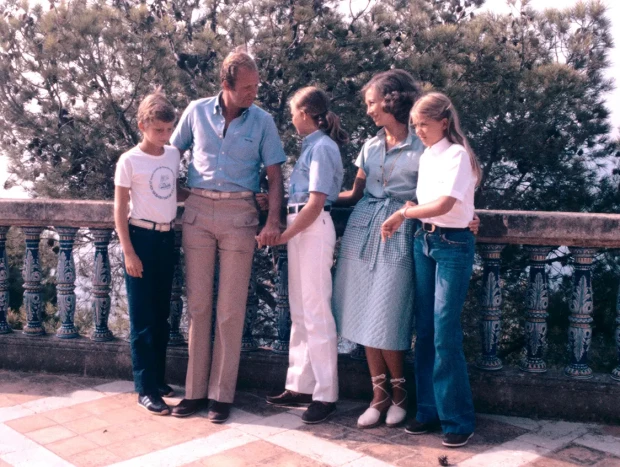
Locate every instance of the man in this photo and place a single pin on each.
(229, 138)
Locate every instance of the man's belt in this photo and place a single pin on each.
(222, 194)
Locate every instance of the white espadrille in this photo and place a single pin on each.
(373, 417)
(397, 412)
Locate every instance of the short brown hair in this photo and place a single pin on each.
(156, 106)
(399, 91)
(231, 65)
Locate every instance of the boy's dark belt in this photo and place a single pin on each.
(298, 207)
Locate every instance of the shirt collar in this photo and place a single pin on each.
(440, 146)
(312, 137)
(408, 141)
(217, 108)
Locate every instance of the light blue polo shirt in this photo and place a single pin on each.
(399, 167)
(230, 163)
(319, 168)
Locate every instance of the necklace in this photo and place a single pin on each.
(389, 175)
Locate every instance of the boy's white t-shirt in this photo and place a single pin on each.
(445, 170)
(152, 181)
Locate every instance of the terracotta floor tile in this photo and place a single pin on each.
(167, 437)
(291, 459)
(31, 423)
(100, 406)
(94, 458)
(67, 414)
(19, 399)
(131, 448)
(124, 415)
(4, 464)
(6, 401)
(608, 462)
(145, 426)
(196, 425)
(255, 453)
(51, 434)
(86, 424)
(109, 435)
(69, 447)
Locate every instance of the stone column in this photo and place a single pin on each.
(101, 286)
(280, 345)
(580, 320)
(615, 374)
(491, 302)
(248, 343)
(537, 301)
(4, 282)
(65, 283)
(176, 302)
(33, 290)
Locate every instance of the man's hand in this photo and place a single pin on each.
(133, 265)
(269, 235)
(391, 225)
(474, 225)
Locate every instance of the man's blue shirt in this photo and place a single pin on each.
(231, 162)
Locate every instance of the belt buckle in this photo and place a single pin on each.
(431, 230)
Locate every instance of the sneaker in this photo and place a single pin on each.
(154, 404)
(418, 428)
(289, 399)
(318, 412)
(456, 440)
(165, 391)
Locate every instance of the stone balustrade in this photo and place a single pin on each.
(538, 232)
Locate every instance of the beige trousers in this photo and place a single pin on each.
(226, 227)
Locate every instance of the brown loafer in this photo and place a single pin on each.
(219, 412)
(188, 407)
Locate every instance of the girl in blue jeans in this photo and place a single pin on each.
(444, 256)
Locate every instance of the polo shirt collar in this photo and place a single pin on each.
(408, 141)
(312, 137)
(440, 146)
(217, 108)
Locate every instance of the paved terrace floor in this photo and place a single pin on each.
(48, 420)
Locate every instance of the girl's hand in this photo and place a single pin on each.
(262, 199)
(133, 265)
(474, 225)
(391, 225)
(409, 204)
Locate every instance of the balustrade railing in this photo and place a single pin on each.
(538, 232)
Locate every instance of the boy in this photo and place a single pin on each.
(144, 211)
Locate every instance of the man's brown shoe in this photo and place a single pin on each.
(219, 412)
(188, 407)
(289, 399)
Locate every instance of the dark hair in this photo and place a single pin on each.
(399, 91)
(437, 106)
(156, 106)
(232, 63)
(314, 102)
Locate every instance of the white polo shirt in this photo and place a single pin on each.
(445, 170)
(152, 183)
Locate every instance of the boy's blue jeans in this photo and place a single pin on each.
(149, 306)
(443, 267)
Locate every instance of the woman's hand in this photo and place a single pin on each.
(474, 225)
(391, 225)
(262, 199)
(133, 265)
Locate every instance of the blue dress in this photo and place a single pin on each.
(373, 285)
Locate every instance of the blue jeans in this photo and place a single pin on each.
(149, 306)
(443, 267)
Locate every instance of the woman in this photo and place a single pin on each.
(373, 295)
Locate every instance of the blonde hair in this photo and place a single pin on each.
(156, 106)
(437, 106)
(233, 62)
(314, 102)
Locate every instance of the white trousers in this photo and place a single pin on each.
(313, 348)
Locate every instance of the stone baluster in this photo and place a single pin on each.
(358, 353)
(4, 282)
(537, 301)
(491, 302)
(101, 286)
(615, 374)
(280, 345)
(248, 343)
(65, 286)
(580, 320)
(33, 290)
(176, 302)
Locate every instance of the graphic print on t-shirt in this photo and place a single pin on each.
(162, 182)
